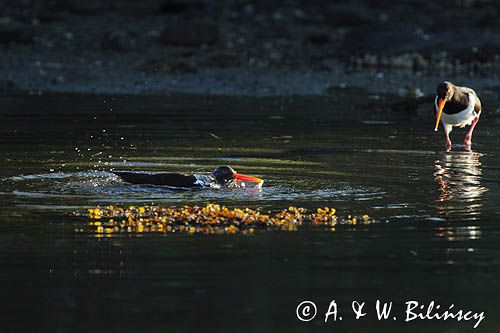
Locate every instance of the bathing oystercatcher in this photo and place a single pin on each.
(456, 106)
(221, 176)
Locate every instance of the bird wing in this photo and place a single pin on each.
(477, 105)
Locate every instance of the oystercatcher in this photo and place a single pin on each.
(221, 176)
(456, 106)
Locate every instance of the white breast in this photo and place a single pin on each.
(462, 118)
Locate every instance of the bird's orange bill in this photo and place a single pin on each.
(245, 178)
(441, 103)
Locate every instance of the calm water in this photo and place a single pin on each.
(437, 236)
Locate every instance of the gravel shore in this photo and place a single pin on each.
(247, 47)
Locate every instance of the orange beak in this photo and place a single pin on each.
(245, 178)
(441, 104)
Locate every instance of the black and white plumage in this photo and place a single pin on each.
(456, 106)
(221, 176)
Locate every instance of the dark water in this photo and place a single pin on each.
(437, 236)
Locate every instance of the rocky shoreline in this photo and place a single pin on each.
(246, 47)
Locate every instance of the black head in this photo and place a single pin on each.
(445, 90)
(223, 174)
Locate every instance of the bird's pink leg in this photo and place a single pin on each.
(448, 142)
(447, 130)
(468, 137)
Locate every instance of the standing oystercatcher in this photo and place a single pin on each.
(221, 176)
(456, 106)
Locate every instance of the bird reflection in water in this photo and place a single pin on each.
(458, 175)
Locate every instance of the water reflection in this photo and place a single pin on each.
(458, 175)
(454, 233)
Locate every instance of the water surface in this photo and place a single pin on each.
(437, 236)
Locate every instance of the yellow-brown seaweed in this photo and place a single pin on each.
(211, 219)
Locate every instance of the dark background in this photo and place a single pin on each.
(91, 45)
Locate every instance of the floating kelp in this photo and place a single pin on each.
(211, 219)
